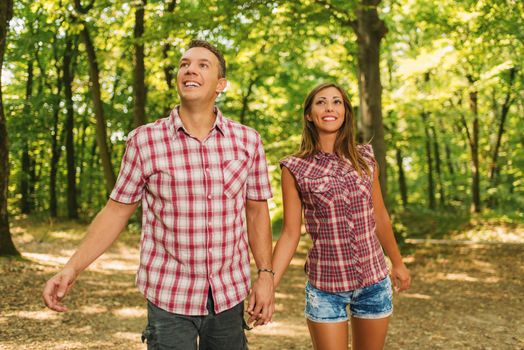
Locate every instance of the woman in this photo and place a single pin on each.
(336, 182)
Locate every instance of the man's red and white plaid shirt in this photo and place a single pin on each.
(193, 202)
(339, 216)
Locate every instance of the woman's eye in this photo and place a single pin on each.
(203, 65)
(338, 102)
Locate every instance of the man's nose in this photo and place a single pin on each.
(190, 69)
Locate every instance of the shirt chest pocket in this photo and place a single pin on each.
(234, 172)
(318, 192)
(358, 190)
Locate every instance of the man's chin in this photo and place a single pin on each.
(190, 97)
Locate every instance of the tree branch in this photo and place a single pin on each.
(84, 9)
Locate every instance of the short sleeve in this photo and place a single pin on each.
(289, 163)
(130, 183)
(366, 151)
(258, 185)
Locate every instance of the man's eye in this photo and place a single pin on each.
(203, 65)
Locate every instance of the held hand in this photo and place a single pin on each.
(57, 287)
(261, 300)
(401, 278)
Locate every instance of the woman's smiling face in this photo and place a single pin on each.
(327, 111)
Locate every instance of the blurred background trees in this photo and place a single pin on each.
(437, 89)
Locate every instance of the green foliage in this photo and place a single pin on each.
(276, 52)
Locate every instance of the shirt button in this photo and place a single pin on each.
(207, 169)
(209, 223)
(209, 196)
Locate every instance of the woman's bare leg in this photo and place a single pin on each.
(369, 334)
(329, 336)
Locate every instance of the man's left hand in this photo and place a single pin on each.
(261, 300)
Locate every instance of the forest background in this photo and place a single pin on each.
(437, 88)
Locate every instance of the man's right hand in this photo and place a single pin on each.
(57, 287)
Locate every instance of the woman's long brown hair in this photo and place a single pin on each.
(345, 142)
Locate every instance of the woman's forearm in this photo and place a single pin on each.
(283, 253)
(387, 239)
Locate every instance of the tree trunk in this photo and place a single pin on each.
(7, 247)
(81, 168)
(429, 161)
(436, 150)
(72, 206)
(139, 86)
(55, 157)
(474, 143)
(25, 179)
(101, 133)
(25, 203)
(92, 161)
(402, 179)
(56, 141)
(503, 114)
(245, 101)
(370, 30)
(169, 67)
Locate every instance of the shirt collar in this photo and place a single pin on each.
(176, 122)
(324, 155)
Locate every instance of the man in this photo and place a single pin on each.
(196, 174)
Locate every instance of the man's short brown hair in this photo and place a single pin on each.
(215, 51)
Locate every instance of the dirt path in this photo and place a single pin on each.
(463, 297)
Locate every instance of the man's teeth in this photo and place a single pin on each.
(191, 84)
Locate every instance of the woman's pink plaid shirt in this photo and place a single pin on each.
(193, 202)
(339, 216)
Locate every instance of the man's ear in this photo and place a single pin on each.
(222, 85)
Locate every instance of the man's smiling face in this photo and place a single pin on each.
(198, 77)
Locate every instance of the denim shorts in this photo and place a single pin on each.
(371, 302)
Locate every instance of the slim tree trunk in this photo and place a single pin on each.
(474, 147)
(101, 132)
(56, 141)
(370, 30)
(68, 69)
(139, 86)
(402, 179)
(25, 179)
(436, 150)
(429, 161)
(55, 157)
(81, 161)
(92, 162)
(7, 247)
(245, 101)
(503, 115)
(168, 65)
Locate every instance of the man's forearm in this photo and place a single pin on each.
(103, 231)
(259, 233)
